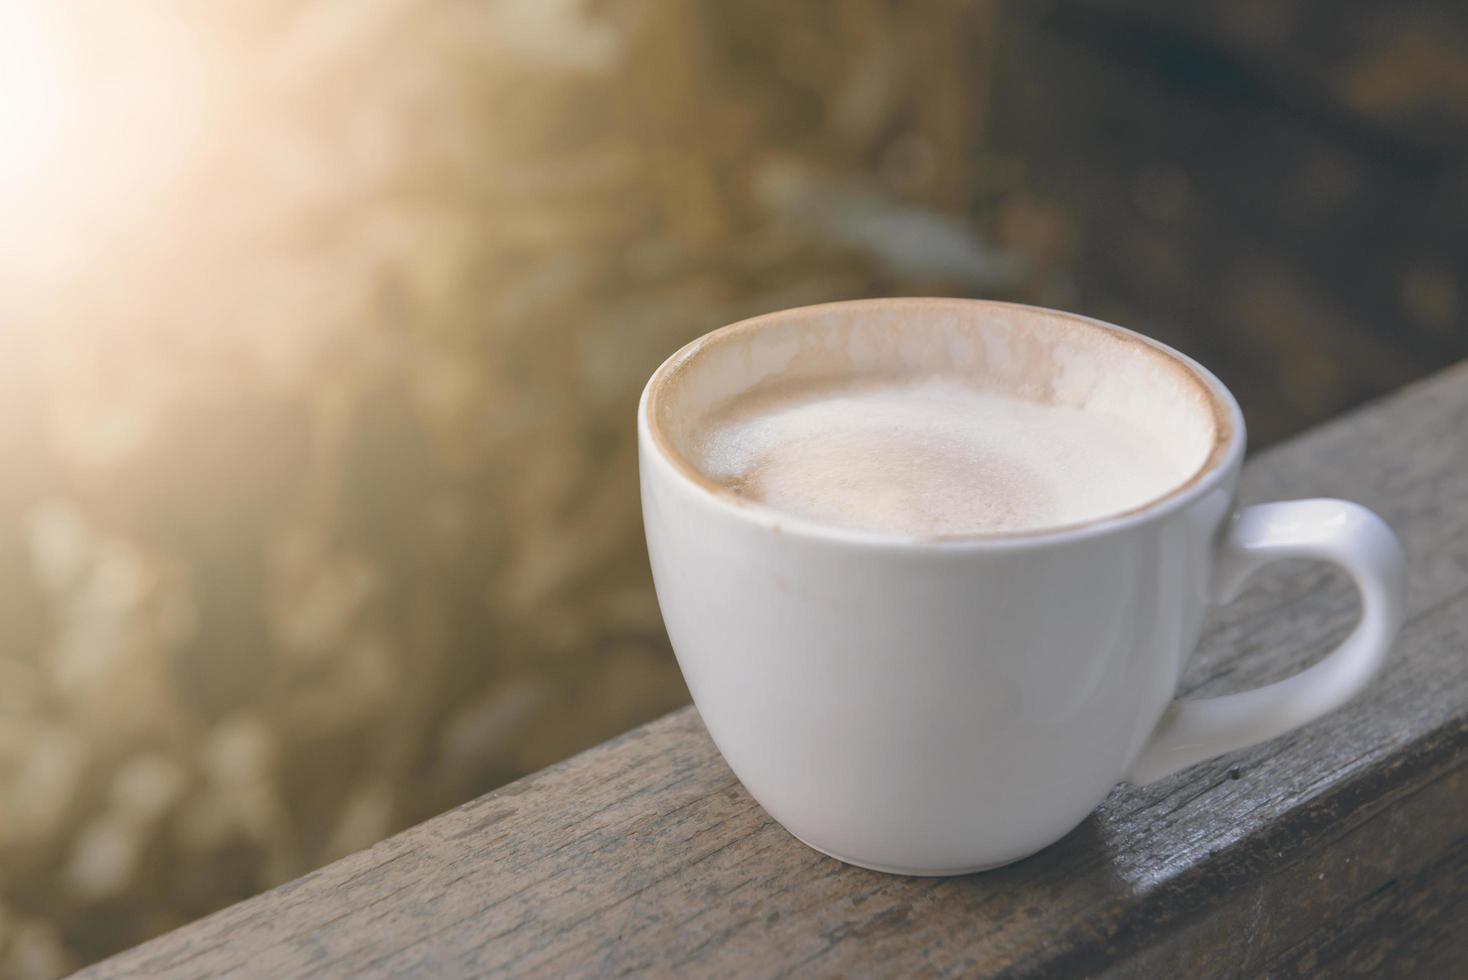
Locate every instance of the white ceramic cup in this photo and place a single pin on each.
(940, 706)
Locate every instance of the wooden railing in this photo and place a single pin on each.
(1341, 847)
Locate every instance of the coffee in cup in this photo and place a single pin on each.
(932, 569)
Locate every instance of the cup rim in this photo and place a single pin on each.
(1227, 450)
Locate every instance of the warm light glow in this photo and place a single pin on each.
(99, 117)
(32, 93)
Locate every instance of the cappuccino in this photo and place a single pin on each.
(934, 456)
(1012, 524)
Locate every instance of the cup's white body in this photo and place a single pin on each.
(942, 706)
(927, 708)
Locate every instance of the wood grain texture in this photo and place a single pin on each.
(1342, 847)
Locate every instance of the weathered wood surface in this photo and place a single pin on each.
(1340, 848)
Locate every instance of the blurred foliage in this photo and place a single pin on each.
(321, 506)
(323, 324)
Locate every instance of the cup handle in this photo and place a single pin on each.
(1336, 531)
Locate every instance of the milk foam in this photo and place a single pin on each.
(934, 457)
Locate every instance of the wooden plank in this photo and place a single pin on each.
(1339, 847)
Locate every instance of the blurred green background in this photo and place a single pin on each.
(322, 326)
